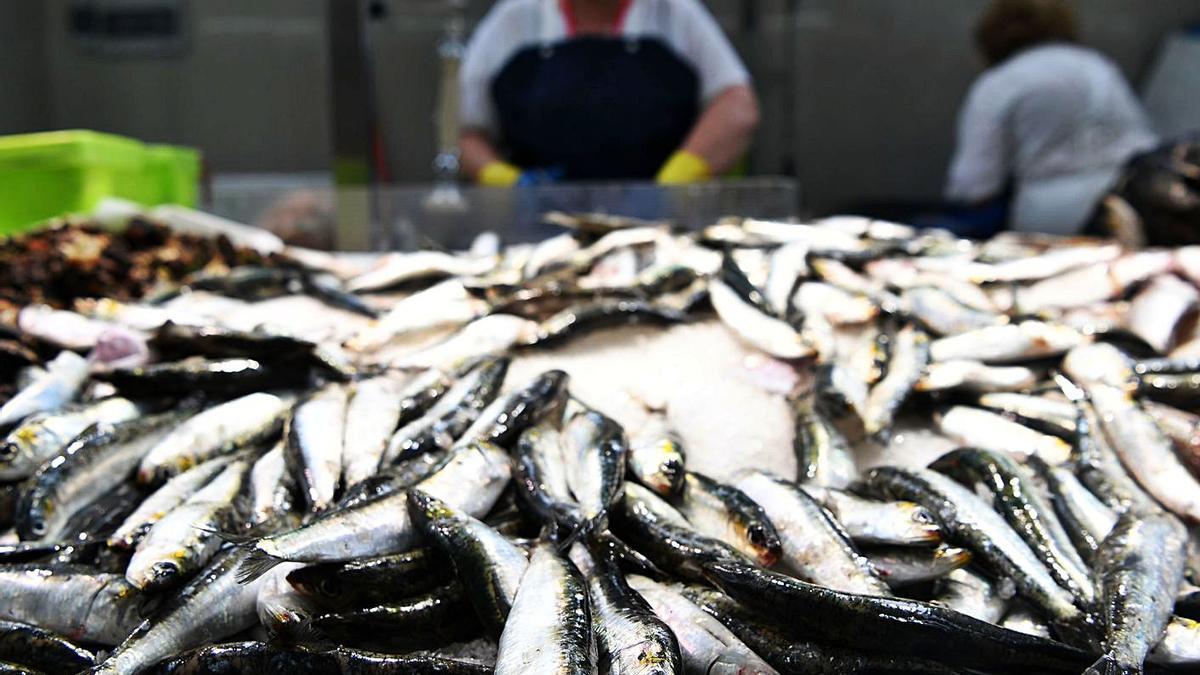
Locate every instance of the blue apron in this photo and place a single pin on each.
(595, 107)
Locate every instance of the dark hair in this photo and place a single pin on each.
(1009, 26)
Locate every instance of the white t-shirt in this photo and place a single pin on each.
(1047, 113)
(512, 25)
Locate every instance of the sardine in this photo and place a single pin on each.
(97, 461)
(837, 306)
(1158, 308)
(968, 592)
(372, 414)
(794, 654)
(42, 436)
(901, 566)
(910, 353)
(705, 644)
(897, 626)
(449, 418)
(213, 606)
(160, 502)
(939, 312)
(446, 304)
(260, 657)
(284, 612)
(430, 620)
(62, 328)
(502, 421)
(789, 264)
(1031, 516)
(487, 336)
(726, 513)
(757, 329)
(594, 448)
(974, 376)
(814, 547)
(1085, 518)
(630, 638)
(655, 528)
(967, 520)
(868, 521)
(487, 565)
(270, 485)
(372, 581)
(1140, 568)
(1146, 452)
(396, 269)
(41, 650)
(225, 378)
(656, 457)
(313, 445)
(1099, 363)
(549, 629)
(823, 456)
(219, 430)
(1054, 416)
(1175, 389)
(980, 428)
(1008, 343)
(471, 481)
(184, 540)
(75, 601)
(63, 379)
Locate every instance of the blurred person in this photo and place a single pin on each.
(602, 90)
(1047, 128)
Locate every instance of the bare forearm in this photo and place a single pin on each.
(725, 128)
(476, 152)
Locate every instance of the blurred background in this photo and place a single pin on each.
(858, 97)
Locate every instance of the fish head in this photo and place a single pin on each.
(923, 525)
(668, 478)
(162, 574)
(427, 511)
(33, 526)
(316, 583)
(765, 542)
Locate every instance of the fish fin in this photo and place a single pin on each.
(1108, 665)
(257, 563)
(235, 538)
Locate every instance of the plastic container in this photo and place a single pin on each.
(49, 174)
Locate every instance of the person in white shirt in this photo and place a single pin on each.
(1051, 120)
(602, 90)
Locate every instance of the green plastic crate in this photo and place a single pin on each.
(50, 174)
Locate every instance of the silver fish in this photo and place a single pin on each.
(595, 447)
(76, 601)
(979, 428)
(184, 540)
(447, 304)
(213, 606)
(171, 494)
(1055, 415)
(974, 376)
(314, 444)
(395, 269)
(470, 481)
(706, 645)
(968, 520)
(216, 431)
(1146, 452)
(901, 566)
(1140, 568)
(371, 417)
(728, 514)
(60, 327)
(270, 485)
(767, 333)
(549, 629)
(42, 436)
(814, 547)
(489, 335)
(1005, 344)
(970, 593)
(283, 611)
(938, 311)
(823, 456)
(868, 521)
(910, 353)
(656, 456)
(63, 379)
(1158, 308)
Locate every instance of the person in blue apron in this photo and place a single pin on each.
(602, 90)
(1046, 129)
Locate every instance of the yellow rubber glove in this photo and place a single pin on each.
(684, 167)
(499, 174)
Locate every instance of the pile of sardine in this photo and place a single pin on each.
(220, 480)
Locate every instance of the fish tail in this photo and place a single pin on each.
(235, 538)
(257, 563)
(1109, 665)
(604, 544)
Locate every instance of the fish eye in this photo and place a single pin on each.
(8, 451)
(37, 527)
(757, 535)
(328, 587)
